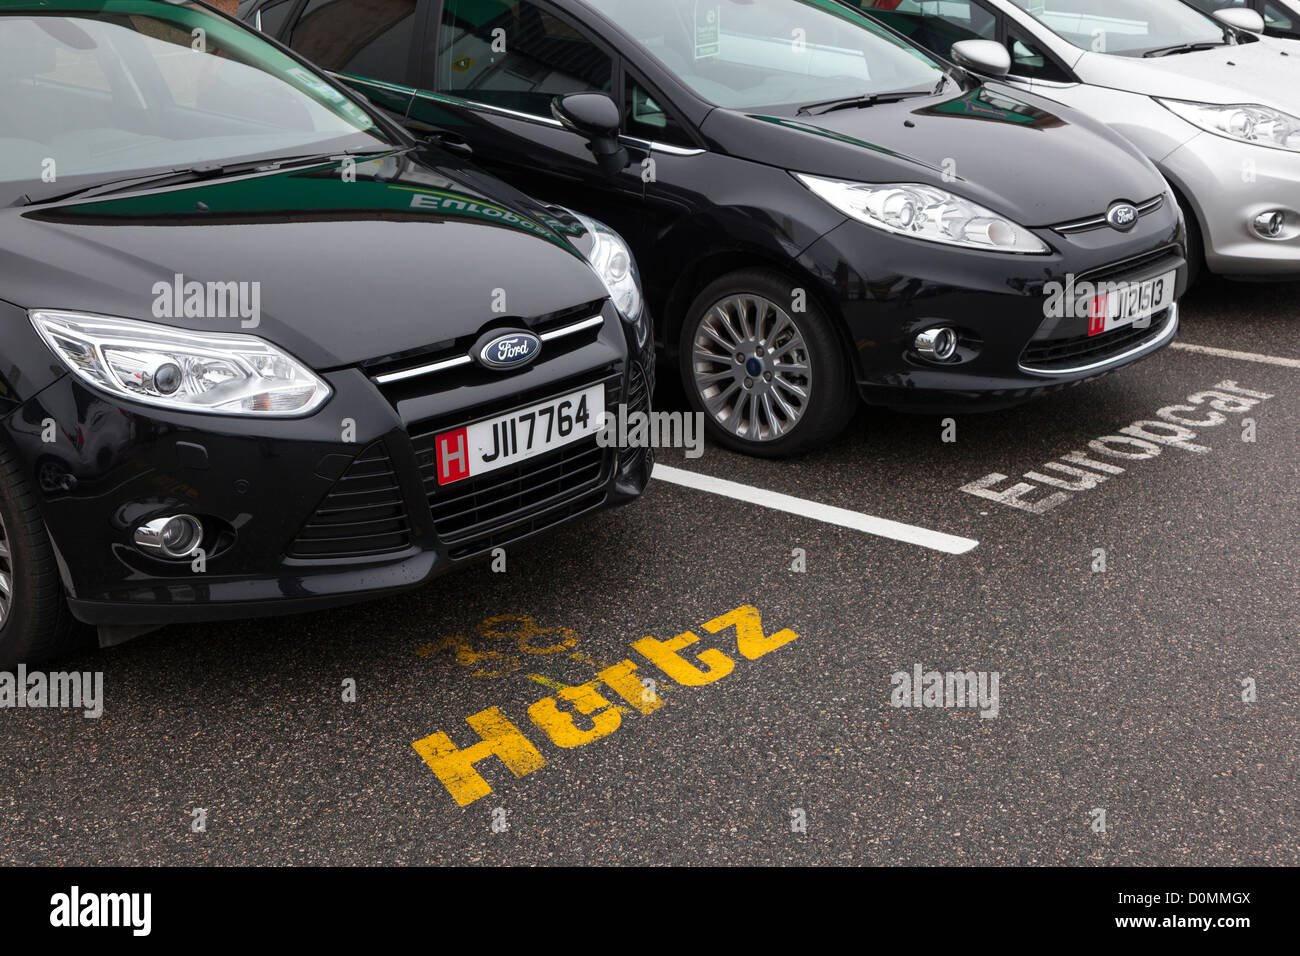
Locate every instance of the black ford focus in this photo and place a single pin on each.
(262, 352)
(818, 206)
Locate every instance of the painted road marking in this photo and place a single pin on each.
(1172, 427)
(881, 527)
(677, 659)
(1232, 354)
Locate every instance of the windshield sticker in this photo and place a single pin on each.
(708, 36)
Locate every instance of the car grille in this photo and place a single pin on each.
(478, 514)
(1068, 352)
(364, 514)
(1148, 264)
(1058, 354)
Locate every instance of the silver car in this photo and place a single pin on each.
(1281, 17)
(1214, 105)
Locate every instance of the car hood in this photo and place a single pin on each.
(405, 257)
(1018, 154)
(1265, 71)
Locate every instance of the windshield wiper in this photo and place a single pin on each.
(198, 173)
(862, 102)
(1182, 48)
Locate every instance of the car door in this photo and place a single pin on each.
(489, 71)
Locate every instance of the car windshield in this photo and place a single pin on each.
(746, 54)
(1128, 27)
(97, 91)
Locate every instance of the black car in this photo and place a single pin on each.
(262, 351)
(816, 204)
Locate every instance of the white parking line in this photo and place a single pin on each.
(1244, 356)
(881, 527)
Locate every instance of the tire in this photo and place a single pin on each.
(772, 422)
(37, 624)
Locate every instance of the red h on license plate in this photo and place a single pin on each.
(1097, 315)
(453, 456)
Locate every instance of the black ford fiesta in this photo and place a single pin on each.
(818, 206)
(261, 351)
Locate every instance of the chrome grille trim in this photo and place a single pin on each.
(573, 329)
(1098, 222)
(423, 370)
(462, 360)
(1163, 336)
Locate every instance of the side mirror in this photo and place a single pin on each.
(1241, 18)
(982, 56)
(595, 116)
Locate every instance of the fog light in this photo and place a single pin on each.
(176, 537)
(1269, 224)
(938, 344)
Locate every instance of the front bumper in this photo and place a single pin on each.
(1229, 184)
(1011, 346)
(309, 513)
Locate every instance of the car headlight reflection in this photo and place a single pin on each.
(613, 261)
(924, 212)
(1261, 125)
(222, 374)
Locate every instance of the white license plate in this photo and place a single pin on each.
(519, 435)
(1131, 303)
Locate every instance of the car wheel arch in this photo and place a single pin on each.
(719, 263)
(1196, 230)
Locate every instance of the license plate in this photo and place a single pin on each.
(519, 435)
(1131, 303)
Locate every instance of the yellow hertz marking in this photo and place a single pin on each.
(467, 656)
(455, 767)
(750, 639)
(577, 716)
(547, 682)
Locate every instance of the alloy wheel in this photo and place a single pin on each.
(6, 574)
(752, 368)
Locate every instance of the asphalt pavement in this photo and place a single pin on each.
(1132, 630)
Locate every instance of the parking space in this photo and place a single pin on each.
(1135, 646)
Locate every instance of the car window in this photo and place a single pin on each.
(749, 54)
(1030, 59)
(1278, 18)
(515, 54)
(934, 24)
(1130, 27)
(1209, 6)
(644, 118)
(127, 86)
(365, 38)
(274, 16)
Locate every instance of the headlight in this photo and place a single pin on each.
(1260, 125)
(923, 212)
(612, 260)
(219, 374)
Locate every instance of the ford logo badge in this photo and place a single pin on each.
(508, 350)
(1122, 216)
